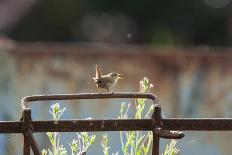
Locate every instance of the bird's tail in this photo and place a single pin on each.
(98, 73)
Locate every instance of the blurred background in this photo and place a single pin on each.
(183, 47)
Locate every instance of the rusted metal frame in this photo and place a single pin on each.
(26, 118)
(10, 127)
(158, 132)
(25, 100)
(180, 124)
(156, 124)
(31, 140)
(198, 124)
(27, 133)
(93, 125)
(28, 99)
(26, 146)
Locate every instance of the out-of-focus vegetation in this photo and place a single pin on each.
(191, 22)
(78, 146)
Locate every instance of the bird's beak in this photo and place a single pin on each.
(120, 76)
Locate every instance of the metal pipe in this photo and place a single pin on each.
(28, 99)
(179, 124)
(197, 124)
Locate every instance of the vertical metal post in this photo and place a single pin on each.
(28, 135)
(26, 118)
(26, 147)
(156, 118)
(33, 144)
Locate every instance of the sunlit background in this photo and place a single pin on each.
(183, 47)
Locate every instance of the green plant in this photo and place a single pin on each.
(78, 146)
(54, 137)
(82, 143)
(138, 142)
(104, 144)
(171, 149)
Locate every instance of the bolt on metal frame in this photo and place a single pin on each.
(161, 127)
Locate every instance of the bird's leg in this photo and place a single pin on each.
(108, 89)
(98, 90)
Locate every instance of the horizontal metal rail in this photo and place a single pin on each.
(28, 99)
(197, 124)
(11, 126)
(180, 124)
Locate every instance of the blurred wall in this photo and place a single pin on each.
(190, 82)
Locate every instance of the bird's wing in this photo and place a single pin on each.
(107, 79)
(98, 74)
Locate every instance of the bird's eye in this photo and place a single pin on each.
(114, 74)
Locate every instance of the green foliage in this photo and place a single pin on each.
(104, 144)
(77, 146)
(54, 137)
(56, 111)
(74, 146)
(84, 142)
(171, 149)
(137, 142)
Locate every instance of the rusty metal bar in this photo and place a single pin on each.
(78, 125)
(156, 141)
(156, 123)
(26, 146)
(10, 127)
(167, 134)
(28, 99)
(26, 115)
(28, 135)
(198, 124)
(92, 125)
(180, 124)
(157, 120)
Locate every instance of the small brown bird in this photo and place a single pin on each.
(106, 81)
